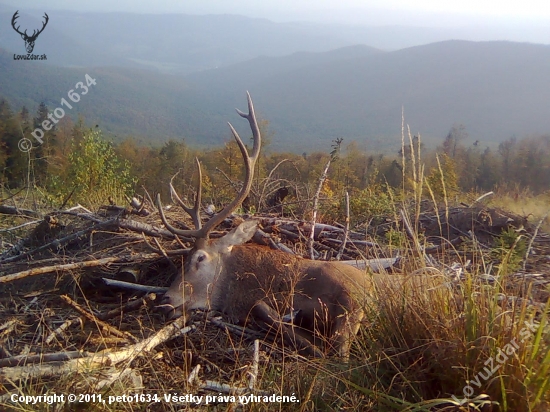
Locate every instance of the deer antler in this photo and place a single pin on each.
(13, 19)
(34, 33)
(202, 232)
(194, 212)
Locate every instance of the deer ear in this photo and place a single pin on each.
(241, 234)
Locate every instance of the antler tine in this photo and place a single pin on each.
(44, 24)
(13, 21)
(251, 117)
(35, 33)
(179, 232)
(249, 161)
(194, 212)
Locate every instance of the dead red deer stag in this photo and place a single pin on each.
(253, 281)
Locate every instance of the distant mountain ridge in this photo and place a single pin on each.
(168, 43)
(495, 89)
(186, 43)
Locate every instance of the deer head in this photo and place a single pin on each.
(29, 40)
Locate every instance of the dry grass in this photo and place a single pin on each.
(525, 204)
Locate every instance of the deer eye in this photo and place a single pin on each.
(200, 258)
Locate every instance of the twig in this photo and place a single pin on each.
(9, 229)
(333, 156)
(530, 247)
(114, 375)
(193, 375)
(163, 252)
(480, 198)
(64, 326)
(255, 362)
(141, 227)
(261, 238)
(268, 179)
(346, 230)
(179, 252)
(129, 307)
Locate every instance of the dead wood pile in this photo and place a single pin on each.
(58, 315)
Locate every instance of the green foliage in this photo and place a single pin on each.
(396, 238)
(96, 172)
(443, 178)
(374, 203)
(510, 249)
(371, 205)
(13, 162)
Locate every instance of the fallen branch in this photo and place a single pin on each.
(33, 222)
(134, 286)
(12, 210)
(22, 360)
(149, 230)
(96, 360)
(69, 266)
(91, 317)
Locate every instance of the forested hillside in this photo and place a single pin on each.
(517, 166)
(496, 90)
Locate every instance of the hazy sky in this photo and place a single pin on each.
(411, 12)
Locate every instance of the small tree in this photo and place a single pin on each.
(96, 173)
(443, 180)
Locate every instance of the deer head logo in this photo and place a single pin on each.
(29, 40)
